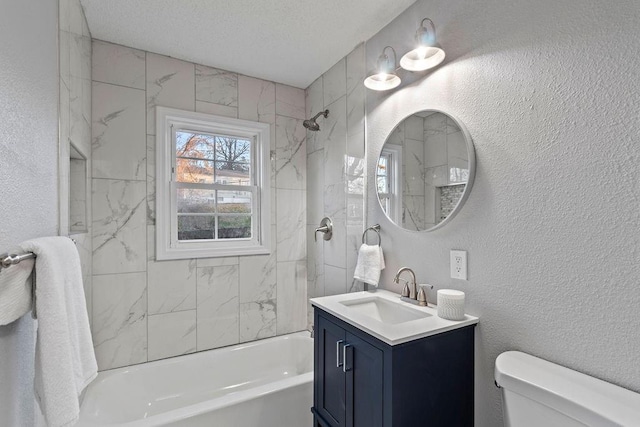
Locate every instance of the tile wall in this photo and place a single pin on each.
(335, 169)
(143, 309)
(75, 128)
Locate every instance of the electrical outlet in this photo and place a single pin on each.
(458, 265)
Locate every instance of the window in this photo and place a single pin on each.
(212, 186)
(388, 182)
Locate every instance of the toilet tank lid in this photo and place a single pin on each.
(587, 399)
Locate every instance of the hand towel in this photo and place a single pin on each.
(15, 291)
(65, 362)
(370, 264)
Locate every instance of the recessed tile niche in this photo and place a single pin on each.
(77, 191)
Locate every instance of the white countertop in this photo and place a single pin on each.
(391, 334)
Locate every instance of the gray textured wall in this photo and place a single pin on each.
(550, 92)
(28, 170)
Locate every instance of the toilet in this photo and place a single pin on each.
(537, 393)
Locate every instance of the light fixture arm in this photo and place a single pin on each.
(384, 58)
(423, 35)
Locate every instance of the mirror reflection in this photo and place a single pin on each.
(423, 170)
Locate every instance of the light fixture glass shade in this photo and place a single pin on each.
(385, 77)
(382, 81)
(422, 58)
(428, 54)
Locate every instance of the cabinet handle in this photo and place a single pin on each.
(338, 363)
(344, 357)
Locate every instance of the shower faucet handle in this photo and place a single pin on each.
(326, 227)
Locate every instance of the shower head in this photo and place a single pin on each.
(311, 123)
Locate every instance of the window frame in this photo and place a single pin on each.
(168, 247)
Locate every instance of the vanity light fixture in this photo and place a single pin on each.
(385, 77)
(428, 54)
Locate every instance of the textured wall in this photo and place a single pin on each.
(28, 171)
(145, 309)
(550, 92)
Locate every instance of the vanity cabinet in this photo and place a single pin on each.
(361, 381)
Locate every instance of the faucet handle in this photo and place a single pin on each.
(406, 291)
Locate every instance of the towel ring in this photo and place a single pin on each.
(375, 228)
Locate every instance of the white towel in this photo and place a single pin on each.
(370, 264)
(65, 362)
(15, 291)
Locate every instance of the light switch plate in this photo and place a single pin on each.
(458, 264)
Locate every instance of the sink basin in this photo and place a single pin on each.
(384, 310)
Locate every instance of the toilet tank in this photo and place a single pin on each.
(539, 393)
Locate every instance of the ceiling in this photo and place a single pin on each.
(287, 41)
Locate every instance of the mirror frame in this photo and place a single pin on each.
(472, 170)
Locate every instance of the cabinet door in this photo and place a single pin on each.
(329, 377)
(364, 381)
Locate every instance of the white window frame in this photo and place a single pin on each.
(167, 244)
(394, 175)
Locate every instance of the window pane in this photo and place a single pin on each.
(234, 201)
(234, 227)
(382, 165)
(196, 227)
(232, 173)
(382, 184)
(199, 171)
(189, 144)
(196, 201)
(233, 161)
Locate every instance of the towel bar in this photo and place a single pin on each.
(7, 260)
(375, 228)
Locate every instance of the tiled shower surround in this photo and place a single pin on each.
(145, 309)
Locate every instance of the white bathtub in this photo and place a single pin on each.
(267, 383)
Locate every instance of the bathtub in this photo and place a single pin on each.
(267, 383)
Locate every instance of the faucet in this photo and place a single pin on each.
(411, 285)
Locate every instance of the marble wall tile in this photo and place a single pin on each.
(314, 98)
(80, 114)
(335, 280)
(170, 83)
(396, 137)
(218, 307)
(216, 86)
(290, 223)
(292, 296)
(431, 205)
(217, 262)
(83, 244)
(171, 286)
(315, 264)
(80, 56)
(118, 65)
(334, 136)
(315, 187)
(457, 151)
(75, 17)
(216, 109)
(451, 126)
(119, 226)
(436, 176)
(119, 142)
(355, 100)
(413, 213)
(290, 101)
(354, 241)
(172, 334)
(413, 170)
(435, 124)
(291, 153)
(257, 320)
(414, 128)
(151, 242)
(355, 70)
(151, 179)
(335, 82)
(256, 100)
(257, 278)
(120, 319)
(64, 55)
(335, 250)
(435, 150)
(64, 9)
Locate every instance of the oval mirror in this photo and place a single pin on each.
(425, 171)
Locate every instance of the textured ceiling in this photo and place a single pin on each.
(287, 41)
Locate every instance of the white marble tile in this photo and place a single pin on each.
(151, 179)
(80, 114)
(335, 201)
(413, 213)
(64, 9)
(216, 109)
(292, 296)
(256, 100)
(76, 17)
(257, 278)
(83, 244)
(354, 241)
(171, 286)
(291, 153)
(118, 138)
(435, 124)
(217, 262)
(335, 82)
(290, 101)
(216, 86)
(335, 280)
(118, 65)
(314, 99)
(451, 126)
(290, 225)
(64, 56)
(119, 226)
(218, 307)
(436, 176)
(431, 205)
(413, 170)
(120, 319)
(334, 134)
(257, 320)
(172, 334)
(170, 83)
(315, 187)
(335, 250)
(414, 128)
(80, 56)
(77, 196)
(355, 98)
(315, 264)
(435, 150)
(151, 242)
(355, 69)
(457, 151)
